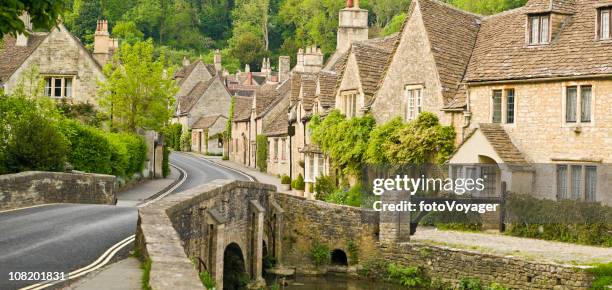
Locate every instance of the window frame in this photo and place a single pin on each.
(599, 23)
(530, 31)
(507, 113)
(51, 86)
(349, 103)
(413, 96)
(582, 189)
(579, 119)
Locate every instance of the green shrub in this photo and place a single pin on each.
(172, 136)
(35, 144)
(353, 250)
(351, 197)
(374, 269)
(566, 221)
(146, 274)
(324, 186)
(166, 162)
(470, 284)
(285, 179)
(320, 254)
(298, 183)
(407, 276)
(90, 150)
(262, 152)
(86, 113)
(603, 276)
(208, 281)
(186, 141)
(120, 160)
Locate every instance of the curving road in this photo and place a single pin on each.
(66, 237)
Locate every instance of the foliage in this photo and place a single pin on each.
(86, 113)
(298, 183)
(186, 141)
(407, 276)
(139, 91)
(603, 276)
(374, 269)
(476, 284)
(269, 262)
(487, 7)
(262, 152)
(345, 140)
(44, 14)
(208, 281)
(126, 31)
(320, 254)
(395, 25)
(350, 197)
(166, 162)
(378, 138)
(35, 144)
(285, 179)
(146, 274)
(84, 20)
(228, 125)
(324, 186)
(172, 136)
(566, 221)
(353, 250)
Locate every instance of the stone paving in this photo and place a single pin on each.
(530, 249)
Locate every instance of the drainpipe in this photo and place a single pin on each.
(467, 114)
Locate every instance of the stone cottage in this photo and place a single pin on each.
(207, 134)
(539, 100)
(70, 72)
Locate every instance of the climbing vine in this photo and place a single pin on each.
(262, 153)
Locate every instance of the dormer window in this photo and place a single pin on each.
(604, 27)
(539, 29)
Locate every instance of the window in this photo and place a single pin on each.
(414, 103)
(539, 29)
(577, 182)
(58, 87)
(283, 149)
(312, 169)
(605, 25)
(572, 109)
(321, 165)
(497, 106)
(275, 148)
(510, 106)
(349, 104)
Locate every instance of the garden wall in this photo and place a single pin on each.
(37, 187)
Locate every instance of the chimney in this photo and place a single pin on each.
(300, 61)
(22, 39)
(352, 26)
(247, 68)
(217, 61)
(185, 61)
(249, 78)
(313, 59)
(284, 68)
(103, 44)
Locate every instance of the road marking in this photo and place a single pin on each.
(170, 190)
(97, 264)
(228, 168)
(27, 207)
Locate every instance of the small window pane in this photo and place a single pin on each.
(418, 101)
(576, 179)
(510, 106)
(57, 88)
(590, 183)
(562, 181)
(48, 87)
(321, 166)
(544, 30)
(535, 29)
(410, 109)
(354, 110)
(68, 89)
(312, 167)
(570, 104)
(585, 104)
(605, 24)
(497, 106)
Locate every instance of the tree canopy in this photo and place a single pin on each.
(44, 14)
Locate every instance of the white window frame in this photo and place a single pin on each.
(600, 24)
(349, 102)
(579, 88)
(538, 39)
(64, 92)
(413, 96)
(582, 185)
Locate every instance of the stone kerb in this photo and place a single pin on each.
(38, 187)
(162, 235)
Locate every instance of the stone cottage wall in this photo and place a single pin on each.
(37, 187)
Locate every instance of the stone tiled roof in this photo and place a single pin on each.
(501, 53)
(371, 61)
(280, 92)
(306, 83)
(265, 96)
(327, 88)
(242, 108)
(279, 124)
(560, 6)
(206, 121)
(12, 57)
(187, 102)
(452, 34)
(500, 141)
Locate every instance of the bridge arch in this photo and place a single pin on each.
(339, 258)
(234, 271)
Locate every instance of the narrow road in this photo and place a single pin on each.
(67, 237)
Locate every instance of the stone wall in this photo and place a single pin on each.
(308, 221)
(451, 265)
(36, 187)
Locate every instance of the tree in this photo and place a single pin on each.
(127, 32)
(139, 91)
(487, 7)
(395, 25)
(44, 14)
(83, 23)
(249, 49)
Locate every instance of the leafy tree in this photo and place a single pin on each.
(83, 23)
(395, 25)
(127, 32)
(378, 138)
(44, 14)
(139, 91)
(215, 19)
(384, 11)
(487, 7)
(249, 49)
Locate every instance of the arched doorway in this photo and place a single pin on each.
(338, 258)
(234, 274)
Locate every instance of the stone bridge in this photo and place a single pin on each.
(226, 228)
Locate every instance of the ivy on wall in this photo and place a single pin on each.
(262, 152)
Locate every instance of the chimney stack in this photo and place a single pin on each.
(22, 39)
(103, 43)
(349, 3)
(249, 78)
(353, 25)
(247, 68)
(217, 61)
(313, 59)
(284, 68)
(185, 61)
(299, 66)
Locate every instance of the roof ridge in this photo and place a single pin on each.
(447, 5)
